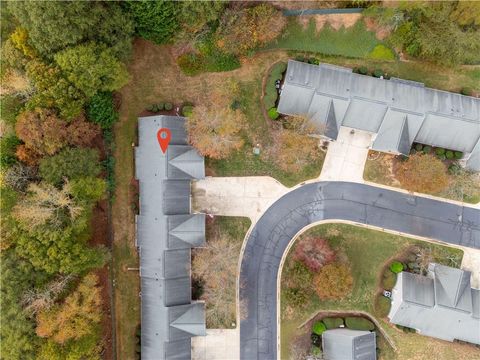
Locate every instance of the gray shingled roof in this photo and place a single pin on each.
(399, 111)
(166, 232)
(346, 344)
(441, 305)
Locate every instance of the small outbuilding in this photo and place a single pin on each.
(346, 344)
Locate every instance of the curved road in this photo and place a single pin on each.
(323, 201)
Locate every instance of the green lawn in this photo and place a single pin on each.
(366, 252)
(354, 42)
(245, 163)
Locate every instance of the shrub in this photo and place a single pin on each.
(396, 267)
(449, 154)
(187, 110)
(316, 339)
(466, 91)
(8, 146)
(358, 323)
(273, 113)
(363, 70)
(381, 52)
(422, 173)
(313, 252)
(427, 149)
(418, 147)
(160, 106)
(101, 110)
(316, 351)
(382, 306)
(332, 322)
(168, 106)
(334, 281)
(454, 169)
(377, 73)
(318, 328)
(458, 155)
(191, 64)
(439, 151)
(389, 280)
(442, 157)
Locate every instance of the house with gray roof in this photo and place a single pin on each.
(441, 305)
(165, 233)
(346, 344)
(398, 112)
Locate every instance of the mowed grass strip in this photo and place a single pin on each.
(355, 41)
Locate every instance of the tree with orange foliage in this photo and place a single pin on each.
(76, 317)
(333, 281)
(44, 133)
(422, 173)
(214, 131)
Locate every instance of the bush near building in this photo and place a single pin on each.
(422, 173)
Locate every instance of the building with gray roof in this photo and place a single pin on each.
(346, 344)
(165, 234)
(441, 305)
(398, 112)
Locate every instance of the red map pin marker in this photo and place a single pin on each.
(164, 135)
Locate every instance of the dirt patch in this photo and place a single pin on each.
(336, 21)
(381, 32)
(106, 324)
(100, 236)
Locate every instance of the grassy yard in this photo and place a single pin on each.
(367, 251)
(355, 41)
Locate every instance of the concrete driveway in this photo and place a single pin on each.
(346, 157)
(307, 204)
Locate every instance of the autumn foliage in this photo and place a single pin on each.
(44, 133)
(333, 281)
(241, 31)
(313, 252)
(215, 132)
(76, 317)
(422, 173)
(294, 148)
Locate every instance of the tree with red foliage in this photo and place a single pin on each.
(314, 252)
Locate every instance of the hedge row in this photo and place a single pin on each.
(353, 323)
(271, 93)
(160, 106)
(441, 153)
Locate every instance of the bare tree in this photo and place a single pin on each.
(19, 176)
(216, 266)
(45, 203)
(35, 300)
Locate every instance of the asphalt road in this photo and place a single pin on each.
(323, 201)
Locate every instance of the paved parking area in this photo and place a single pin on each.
(346, 156)
(246, 196)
